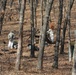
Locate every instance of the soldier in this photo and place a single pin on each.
(35, 47)
(12, 43)
(50, 33)
(11, 37)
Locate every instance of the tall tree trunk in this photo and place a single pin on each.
(35, 19)
(65, 26)
(20, 40)
(74, 58)
(2, 16)
(69, 25)
(55, 65)
(32, 53)
(42, 44)
(41, 5)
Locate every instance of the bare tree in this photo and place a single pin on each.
(42, 44)
(20, 40)
(2, 15)
(65, 26)
(34, 10)
(41, 5)
(32, 53)
(69, 26)
(74, 58)
(55, 65)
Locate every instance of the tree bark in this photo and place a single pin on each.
(2, 15)
(32, 53)
(69, 41)
(55, 65)
(42, 44)
(41, 5)
(35, 19)
(65, 26)
(74, 58)
(20, 40)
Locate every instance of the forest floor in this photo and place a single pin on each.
(28, 64)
